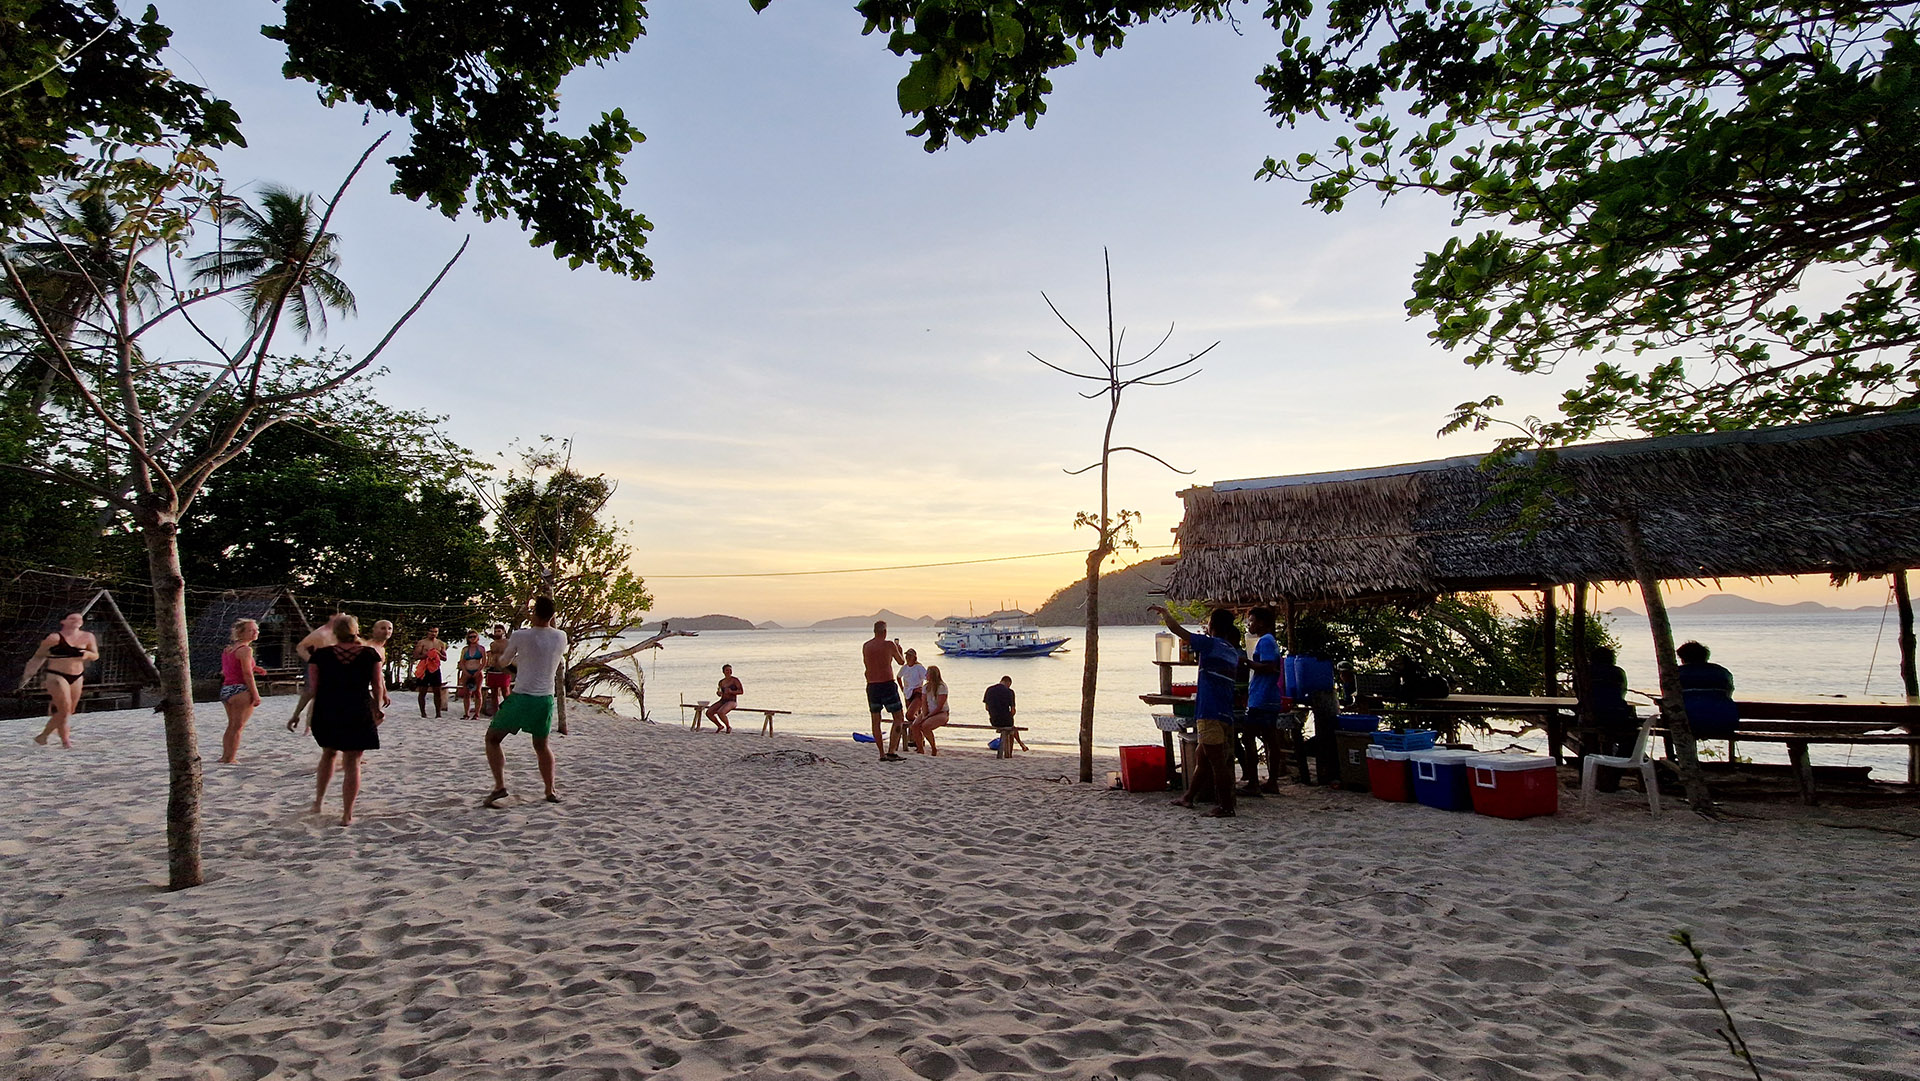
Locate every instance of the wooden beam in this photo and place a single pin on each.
(1673, 700)
(1907, 678)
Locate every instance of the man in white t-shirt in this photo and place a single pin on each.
(913, 681)
(536, 651)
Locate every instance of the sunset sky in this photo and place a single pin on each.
(830, 368)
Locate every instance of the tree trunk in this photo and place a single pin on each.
(1907, 679)
(1673, 701)
(160, 532)
(1578, 668)
(1090, 674)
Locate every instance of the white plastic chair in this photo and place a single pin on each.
(1590, 767)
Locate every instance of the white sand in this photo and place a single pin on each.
(690, 914)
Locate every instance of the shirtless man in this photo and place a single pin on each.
(879, 656)
(429, 654)
(319, 638)
(499, 680)
(62, 661)
(726, 695)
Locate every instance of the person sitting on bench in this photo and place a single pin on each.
(1709, 693)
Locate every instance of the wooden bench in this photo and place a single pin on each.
(1006, 745)
(766, 728)
(1800, 724)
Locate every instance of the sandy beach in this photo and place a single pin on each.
(699, 908)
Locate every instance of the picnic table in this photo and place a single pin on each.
(1801, 722)
(1449, 710)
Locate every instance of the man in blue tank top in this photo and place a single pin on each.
(1220, 661)
(1263, 706)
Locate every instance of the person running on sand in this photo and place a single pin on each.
(473, 658)
(349, 687)
(935, 690)
(879, 656)
(726, 696)
(499, 681)
(319, 638)
(1220, 663)
(62, 661)
(429, 654)
(239, 688)
(537, 650)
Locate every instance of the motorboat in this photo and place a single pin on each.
(993, 636)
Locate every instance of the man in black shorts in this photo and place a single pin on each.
(879, 657)
(999, 700)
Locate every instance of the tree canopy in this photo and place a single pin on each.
(1714, 203)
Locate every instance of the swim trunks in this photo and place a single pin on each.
(884, 696)
(1213, 733)
(529, 713)
(499, 681)
(1263, 719)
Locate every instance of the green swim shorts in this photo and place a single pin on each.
(529, 713)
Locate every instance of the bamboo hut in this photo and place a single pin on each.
(282, 624)
(32, 606)
(1824, 498)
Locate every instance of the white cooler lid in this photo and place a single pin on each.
(1377, 751)
(1511, 761)
(1444, 754)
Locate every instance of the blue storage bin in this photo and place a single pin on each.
(1306, 675)
(1414, 740)
(1359, 722)
(1440, 779)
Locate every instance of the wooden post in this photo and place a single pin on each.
(1907, 677)
(1582, 714)
(1550, 663)
(1673, 701)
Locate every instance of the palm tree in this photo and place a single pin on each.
(266, 250)
(69, 280)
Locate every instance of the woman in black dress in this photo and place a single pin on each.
(349, 693)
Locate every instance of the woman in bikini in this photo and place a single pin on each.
(935, 689)
(62, 660)
(473, 660)
(239, 692)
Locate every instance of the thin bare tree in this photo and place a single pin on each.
(147, 428)
(1113, 529)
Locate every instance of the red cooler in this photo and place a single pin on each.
(1514, 785)
(1390, 775)
(1143, 768)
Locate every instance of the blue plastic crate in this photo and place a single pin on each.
(1417, 740)
(1359, 722)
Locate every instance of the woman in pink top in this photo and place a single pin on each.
(238, 691)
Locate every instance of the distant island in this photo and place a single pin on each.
(1124, 597)
(1730, 604)
(702, 623)
(894, 619)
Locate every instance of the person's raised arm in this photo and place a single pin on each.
(1172, 624)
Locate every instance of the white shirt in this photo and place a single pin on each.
(913, 677)
(537, 652)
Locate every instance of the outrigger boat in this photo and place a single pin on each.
(988, 636)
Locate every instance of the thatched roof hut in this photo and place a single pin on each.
(1833, 497)
(282, 624)
(32, 606)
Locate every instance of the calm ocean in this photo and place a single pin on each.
(817, 675)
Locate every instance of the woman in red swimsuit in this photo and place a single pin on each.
(63, 657)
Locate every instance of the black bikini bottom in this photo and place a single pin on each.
(70, 677)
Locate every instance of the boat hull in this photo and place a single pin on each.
(1024, 649)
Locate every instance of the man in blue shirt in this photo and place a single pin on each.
(1263, 706)
(1220, 661)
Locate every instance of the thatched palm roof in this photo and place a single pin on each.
(1835, 497)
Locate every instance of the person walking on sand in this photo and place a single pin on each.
(349, 687)
(879, 656)
(537, 650)
(499, 681)
(999, 701)
(239, 688)
(319, 638)
(726, 695)
(1220, 662)
(473, 659)
(61, 661)
(936, 714)
(429, 654)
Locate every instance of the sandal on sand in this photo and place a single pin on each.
(891, 758)
(493, 800)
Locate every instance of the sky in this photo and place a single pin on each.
(831, 367)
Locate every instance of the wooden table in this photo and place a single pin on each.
(1452, 708)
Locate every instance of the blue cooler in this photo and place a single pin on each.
(1440, 779)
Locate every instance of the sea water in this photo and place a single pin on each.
(818, 675)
